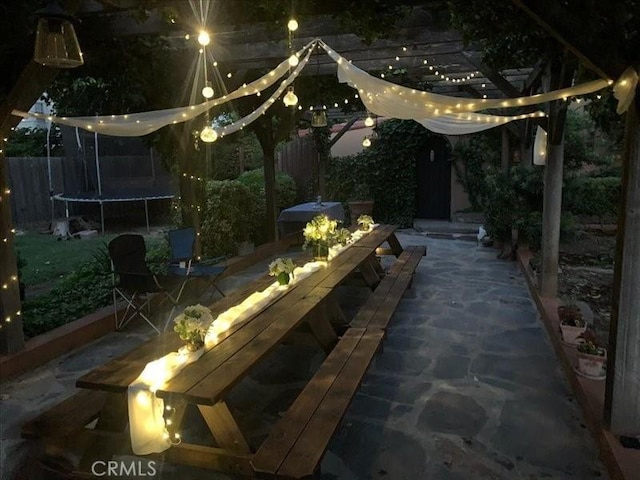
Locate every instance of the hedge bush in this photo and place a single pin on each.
(598, 196)
(228, 217)
(385, 171)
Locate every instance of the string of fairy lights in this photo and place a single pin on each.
(12, 281)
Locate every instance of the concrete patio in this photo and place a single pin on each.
(467, 387)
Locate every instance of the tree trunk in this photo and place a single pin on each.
(263, 129)
(11, 335)
(270, 192)
(622, 405)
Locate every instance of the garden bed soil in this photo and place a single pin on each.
(586, 273)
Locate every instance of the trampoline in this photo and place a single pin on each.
(138, 189)
(123, 196)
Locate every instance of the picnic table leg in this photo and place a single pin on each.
(396, 248)
(224, 427)
(109, 428)
(320, 324)
(368, 271)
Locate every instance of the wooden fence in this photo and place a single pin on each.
(29, 181)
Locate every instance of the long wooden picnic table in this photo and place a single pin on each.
(207, 381)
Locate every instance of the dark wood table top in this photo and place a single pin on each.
(243, 345)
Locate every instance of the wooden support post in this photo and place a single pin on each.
(622, 397)
(224, 428)
(11, 336)
(551, 214)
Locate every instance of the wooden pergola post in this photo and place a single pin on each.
(622, 399)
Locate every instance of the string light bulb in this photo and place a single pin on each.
(208, 135)
(290, 99)
(293, 60)
(368, 122)
(207, 92)
(203, 38)
(366, 142)
(292, 25)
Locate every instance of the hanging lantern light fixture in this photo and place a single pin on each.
(292, 25)
(290, 99)
(293, 60)
(56, 42)
(366, 142)
(207, 92)
(318, 117)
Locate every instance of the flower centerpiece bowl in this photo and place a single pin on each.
(321, 234)
(192, 325)
(282, 269)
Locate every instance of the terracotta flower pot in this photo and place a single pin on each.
(592, 365)
(570, 334)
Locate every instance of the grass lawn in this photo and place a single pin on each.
(48, 258)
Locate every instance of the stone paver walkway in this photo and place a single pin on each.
(467, 386)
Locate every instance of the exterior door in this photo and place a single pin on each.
(433, 174)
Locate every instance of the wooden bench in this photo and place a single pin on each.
(299, 440)
(67, 417)
(379, 307)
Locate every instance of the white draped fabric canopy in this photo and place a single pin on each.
(439, 113)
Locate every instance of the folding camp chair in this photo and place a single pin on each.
(184, 263)
(133, 281)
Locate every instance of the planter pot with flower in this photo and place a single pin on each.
(343, 236)
(365, 222)
(192, 325)
(572, 323)
(361, 203)
(592, 359)
(320, 234)
(282, 269)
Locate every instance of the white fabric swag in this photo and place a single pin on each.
(439, 113)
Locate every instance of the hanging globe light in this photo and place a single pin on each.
(208, 134)
(366, 142)
(293, 60)
(207, 92)
(203, 38)
(292, 25)
(290, 99)
(318, 117)
(368, 122)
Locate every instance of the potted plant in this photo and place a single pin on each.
(192, 325)
(361, 203)
(282, 269)
(592, 359)
(365, 222)
(572, 324)
(320, 234)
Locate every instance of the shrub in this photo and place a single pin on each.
(227, 217)
(285, 197)
(599, 196)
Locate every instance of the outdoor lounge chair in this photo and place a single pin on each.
(133, 282)
(184, 263)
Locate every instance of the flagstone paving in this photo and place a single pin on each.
(467, 386)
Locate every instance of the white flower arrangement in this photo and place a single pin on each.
(320, 231)
(365, 221)
(192, 325)
(281, 265)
